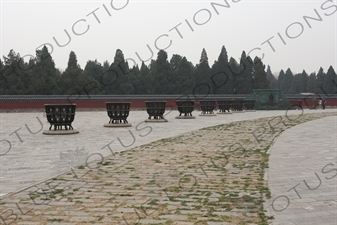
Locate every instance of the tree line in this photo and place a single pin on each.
(177, 75)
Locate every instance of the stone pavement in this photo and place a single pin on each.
(302, 174)
(134, 183)
(28, 157)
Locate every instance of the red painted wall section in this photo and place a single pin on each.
(135, 104)
(139, 104)
(310, 103)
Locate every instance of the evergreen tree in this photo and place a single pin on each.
(294, 86)
(160, 75)
(311, 87)
(299, 83)
(73, 81)
(243, 82)
(260, 75)
(144, 79)
(27, 76)
(272, 79)
(2, 78)
(11, 74)
(186, 78)
(221, 76)
(320, 81)
(123, 71)
(173, 83)
(234, 71)
(44, 74)
(303, 82)
(121, 68)
(106, 65)
(116, 79)
(330, 81)
(280, 81)
(183, 75)
(94, 70)
(286, 81)
(136, 79)
(72, 62)
(179, 76)
(202, 76)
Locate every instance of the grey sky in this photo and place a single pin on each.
(134, 24)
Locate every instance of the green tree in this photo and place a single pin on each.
(221, 76)
(202, 76)
(295, 84)
(173, 80)
(320, 81)
(286, 81)
(160, 75)
(27, 76)
(299, 83)
(235, 70)
(260, 75)
(124, 85)
(44, 74)
(243, 81)
(106, 65)
(183, 75)
(72, 62)
(272, 79)
(2, 78)
(330, 81)
(74, 82)
(144, 79)
(311, 86)
(116, 79)
(11, 74)
(139, 87)
(303, 82)
(94, 70)
(280, 79)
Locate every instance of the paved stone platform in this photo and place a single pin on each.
(302, 174)
(28, 156)
(139, 181)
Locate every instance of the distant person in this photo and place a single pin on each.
(320, 103)
(323, 103)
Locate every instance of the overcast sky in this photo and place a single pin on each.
(279, 31)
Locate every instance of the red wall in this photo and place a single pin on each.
(308, 103)
(134, 104)
(79, 104)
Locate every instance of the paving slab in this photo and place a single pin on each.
(302, 174)
(170, 158)
(27, 156)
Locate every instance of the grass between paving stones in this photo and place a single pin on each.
(215, 174)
